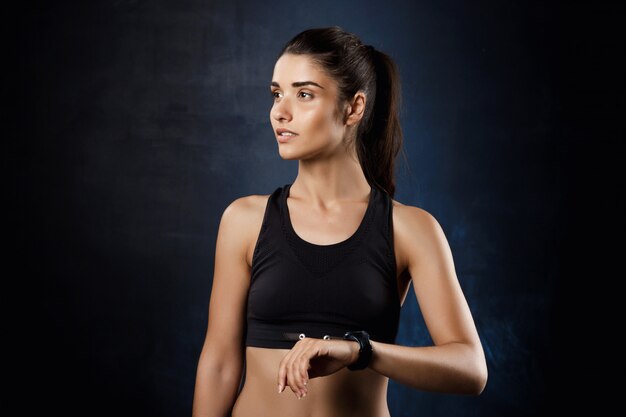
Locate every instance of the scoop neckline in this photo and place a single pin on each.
(362, 225)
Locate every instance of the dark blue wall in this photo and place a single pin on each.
(140, 121)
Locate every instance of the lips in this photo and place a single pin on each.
(282, 130)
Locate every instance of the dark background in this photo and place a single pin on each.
(133, 124)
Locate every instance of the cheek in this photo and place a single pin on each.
(322, 123)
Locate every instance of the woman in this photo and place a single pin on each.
(309, 280)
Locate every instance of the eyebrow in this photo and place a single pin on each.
(299, 84)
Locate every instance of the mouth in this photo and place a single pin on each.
(285, 135)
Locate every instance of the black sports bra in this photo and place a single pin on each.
(300, 289)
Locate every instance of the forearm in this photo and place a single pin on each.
(452, 368)
(216, 389)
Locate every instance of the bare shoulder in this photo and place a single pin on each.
(413, 218)
(243, 208)
(244, 217)
(414, 228)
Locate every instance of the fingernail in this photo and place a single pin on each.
(280, 388)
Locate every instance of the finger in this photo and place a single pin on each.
(302, 363)
(292, 376)
(282, 373)
(285, 372)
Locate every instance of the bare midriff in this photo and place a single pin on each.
(344, 393)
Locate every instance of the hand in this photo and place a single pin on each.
(311, 358)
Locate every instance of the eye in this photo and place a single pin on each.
(274, 94)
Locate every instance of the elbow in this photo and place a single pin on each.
(480, 377)
(475, 374)
(227, 370)
(220, 366)
(481, 382)
(480, 374)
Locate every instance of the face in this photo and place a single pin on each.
(305, 102)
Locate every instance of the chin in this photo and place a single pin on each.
(290, 152)
(289, 156)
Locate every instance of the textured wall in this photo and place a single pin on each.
(140, 121)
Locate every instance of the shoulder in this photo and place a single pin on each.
(242, 220)
(246, 205)
(245, 211)
(413, 218)
(415, 229)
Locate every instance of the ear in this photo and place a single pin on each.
(355, 109)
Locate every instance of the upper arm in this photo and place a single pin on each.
(231, 278)
(439, 294)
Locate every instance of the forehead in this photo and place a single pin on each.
(293, 68)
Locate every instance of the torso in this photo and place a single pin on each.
(342, 394)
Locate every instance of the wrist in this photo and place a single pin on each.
(354, 350)
(361, 337)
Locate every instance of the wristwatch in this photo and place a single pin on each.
(365, 349)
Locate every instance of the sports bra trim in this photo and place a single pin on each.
(363, 225)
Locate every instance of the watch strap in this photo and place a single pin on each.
(365, 349)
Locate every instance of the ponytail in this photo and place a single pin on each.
(380, 138)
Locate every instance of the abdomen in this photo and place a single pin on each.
(342, 394)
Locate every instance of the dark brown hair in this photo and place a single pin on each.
(358, 67)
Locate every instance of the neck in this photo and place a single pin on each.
(339, 177)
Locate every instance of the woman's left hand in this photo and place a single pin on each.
(311, 358)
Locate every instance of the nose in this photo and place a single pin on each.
(281, 110)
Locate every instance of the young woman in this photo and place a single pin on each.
(309, 280)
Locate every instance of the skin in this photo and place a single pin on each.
(327, 202)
